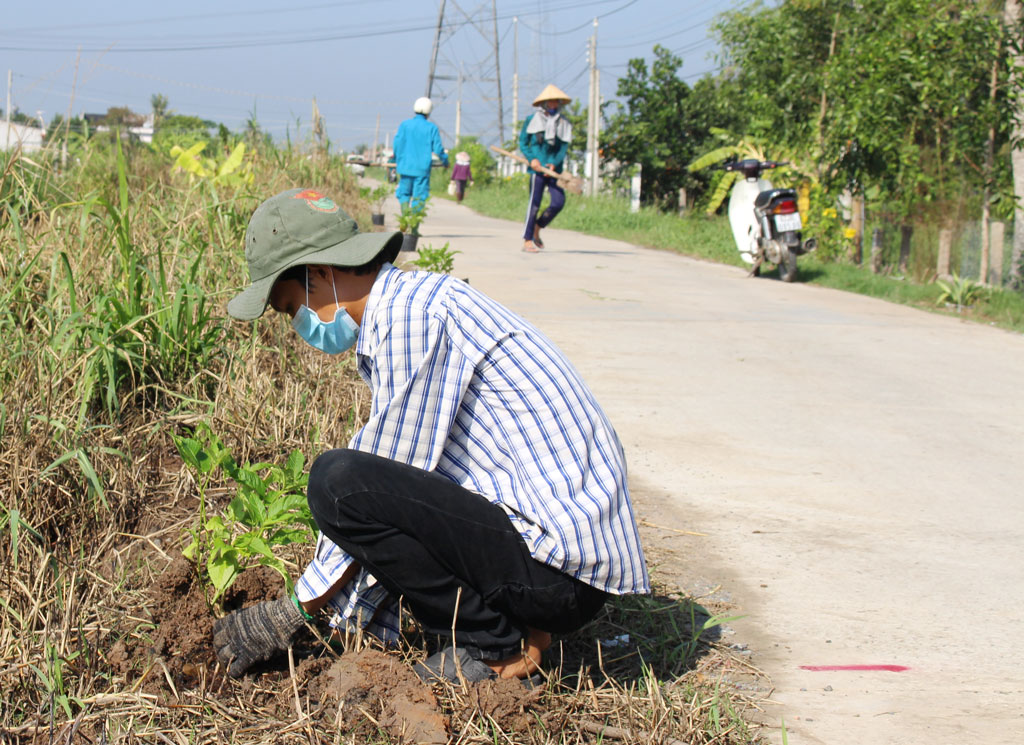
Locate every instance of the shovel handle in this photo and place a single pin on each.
(564, 179)
(516, 156)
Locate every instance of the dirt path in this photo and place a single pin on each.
(856, 466)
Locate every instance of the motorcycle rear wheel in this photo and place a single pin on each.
(787, 264)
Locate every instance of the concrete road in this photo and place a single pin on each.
(856, 466)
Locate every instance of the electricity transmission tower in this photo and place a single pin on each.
(467, 40)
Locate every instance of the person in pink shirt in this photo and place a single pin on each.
(461, 173)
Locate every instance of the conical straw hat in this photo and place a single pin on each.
(551, 93)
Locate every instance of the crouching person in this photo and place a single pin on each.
(487, 490)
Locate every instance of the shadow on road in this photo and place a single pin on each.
(664, 633)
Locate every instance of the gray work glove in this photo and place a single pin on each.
(254, 634)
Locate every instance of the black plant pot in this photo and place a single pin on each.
(377, 218)
(409, 241)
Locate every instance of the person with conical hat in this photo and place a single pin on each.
(544, 140)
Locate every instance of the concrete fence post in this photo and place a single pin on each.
(945, 251)
(996, 233)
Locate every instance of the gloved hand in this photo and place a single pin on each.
(254, 634)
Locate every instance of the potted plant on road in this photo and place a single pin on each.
(377, 197)
(409, 221)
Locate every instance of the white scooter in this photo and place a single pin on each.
(765, 221)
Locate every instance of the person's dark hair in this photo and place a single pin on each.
(370, 267)
(298, 273)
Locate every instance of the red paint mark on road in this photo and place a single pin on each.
(883, 668)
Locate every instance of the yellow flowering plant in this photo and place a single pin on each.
(823, 221)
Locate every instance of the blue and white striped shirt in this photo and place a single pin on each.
(466, 388)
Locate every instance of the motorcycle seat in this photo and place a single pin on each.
(767, 197)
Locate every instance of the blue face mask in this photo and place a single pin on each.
(552, 110)
(334, 337)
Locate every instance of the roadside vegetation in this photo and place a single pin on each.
(898, 119)
(709, 237)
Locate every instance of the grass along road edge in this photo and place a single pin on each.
(710, 239)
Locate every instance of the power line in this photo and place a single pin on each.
(249, 94)
(196, 17)
(582, 25)
(671, 34)
(275, 38)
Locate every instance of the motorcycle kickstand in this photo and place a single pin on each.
(755, 267)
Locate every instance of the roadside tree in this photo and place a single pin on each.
(663, 124)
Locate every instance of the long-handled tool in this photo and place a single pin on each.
(565, 180)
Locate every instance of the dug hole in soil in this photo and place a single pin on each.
(359, 692)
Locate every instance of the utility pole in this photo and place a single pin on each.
(497, 74)
(7, 111)
(376, 139)
(593, 117)
(67, 121)
(515, 73)
(433, 53)
(458, 111)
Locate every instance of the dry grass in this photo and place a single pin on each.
(94, 499)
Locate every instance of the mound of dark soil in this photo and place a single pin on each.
(182, 616)
(373, 683)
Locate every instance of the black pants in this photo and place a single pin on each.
(538, 182)
(424, 537)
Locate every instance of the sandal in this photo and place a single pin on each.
(531, 249)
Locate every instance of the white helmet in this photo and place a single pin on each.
(423, 106)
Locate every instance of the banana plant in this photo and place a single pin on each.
(734, 148)
(230, 172)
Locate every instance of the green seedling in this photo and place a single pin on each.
(269, 511)
(440, 260)
(410, 218)
(377, 197)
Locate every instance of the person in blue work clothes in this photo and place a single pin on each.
(415, 140)
(544, 141)
(486, 492)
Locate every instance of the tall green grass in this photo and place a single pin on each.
(113, 280)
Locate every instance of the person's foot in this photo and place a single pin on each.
(526, 664)
(530, 248)
(536, 237)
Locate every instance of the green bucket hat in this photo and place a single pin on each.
(302, 226)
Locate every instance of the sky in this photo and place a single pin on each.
(231, 61)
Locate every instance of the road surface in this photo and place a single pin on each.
(854, 464)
